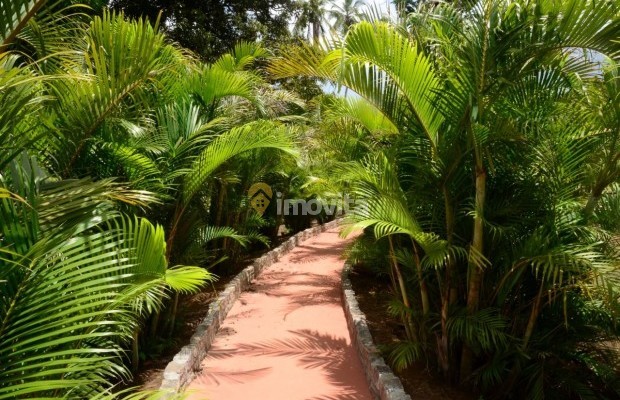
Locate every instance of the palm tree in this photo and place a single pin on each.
(81, 273)
(78, 279)
(79, 276)
(599, 109)
(312, 17)
(346, 14)
(476, 202)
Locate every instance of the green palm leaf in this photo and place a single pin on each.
(14, 16)
(404, 65)
(255, 135)
(72, 303)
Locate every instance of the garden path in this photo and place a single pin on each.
(286, 338)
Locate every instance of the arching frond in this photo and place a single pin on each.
(257, 135)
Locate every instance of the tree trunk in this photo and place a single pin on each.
(595, 196)
(423, 288)
(409, 326)
(533, 317)
(453, 292)
(173, 314)
(220, 205)
(475, 280)
(316, 31)
(475, 271)
(443, 353)
(135, 350)
(176, 219)
(508, 384)
(449, 295)
(154, 324)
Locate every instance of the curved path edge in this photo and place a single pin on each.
(183, 367)
(383, 383)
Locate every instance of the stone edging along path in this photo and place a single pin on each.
(384, 384)
(182, 369)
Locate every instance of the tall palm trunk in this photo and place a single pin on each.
(135, 350)
(173, 314)
(176, 219)
(155, 319)
(593, 199)
(477, 247)
(220, 204)
(529, 330)
(511, 381)
(316, 32)
(407, 320)
(422, 282)
(449, 294)
(475, 270)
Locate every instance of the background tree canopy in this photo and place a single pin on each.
(212, 27)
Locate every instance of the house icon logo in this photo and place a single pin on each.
(260, 195)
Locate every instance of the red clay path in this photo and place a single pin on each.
(287, 338)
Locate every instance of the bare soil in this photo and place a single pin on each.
(191, 311)
(418, 380)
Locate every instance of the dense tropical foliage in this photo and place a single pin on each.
(479, 140)
(115, 146)
(487, 161)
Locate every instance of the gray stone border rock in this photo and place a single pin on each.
(183, 367)
(384, 385)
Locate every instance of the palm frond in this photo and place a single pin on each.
(256, 135)
(14, 16)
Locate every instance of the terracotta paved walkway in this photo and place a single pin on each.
(287, 338)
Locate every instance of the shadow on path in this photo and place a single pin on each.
(311, 350)
(287, 338)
